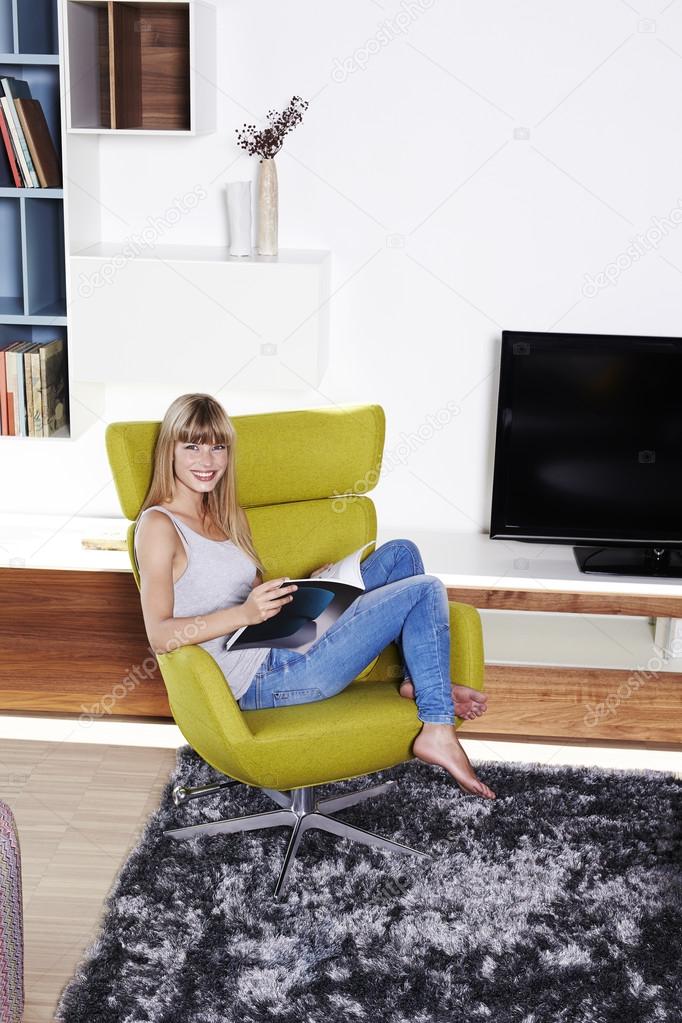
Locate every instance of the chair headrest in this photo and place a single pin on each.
(281, 457)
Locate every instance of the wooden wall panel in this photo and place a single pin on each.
(74, 642)
(593, 704)
(570, 603)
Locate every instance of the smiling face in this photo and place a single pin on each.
(199, 466)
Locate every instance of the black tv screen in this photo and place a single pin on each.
(589, 440)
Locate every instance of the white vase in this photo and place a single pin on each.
(267, 208)
(239, 217)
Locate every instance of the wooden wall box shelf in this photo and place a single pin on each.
(130, 66)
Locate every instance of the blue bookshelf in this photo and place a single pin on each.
(32, 250)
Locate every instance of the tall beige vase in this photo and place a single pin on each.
(267, 208)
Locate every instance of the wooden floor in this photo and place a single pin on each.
(80, 807)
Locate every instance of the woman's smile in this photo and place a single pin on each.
(204, 476)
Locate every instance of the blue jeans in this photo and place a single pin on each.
(400, 604)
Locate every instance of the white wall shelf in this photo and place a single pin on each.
(196, 315)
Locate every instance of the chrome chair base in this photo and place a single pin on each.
(301, 811)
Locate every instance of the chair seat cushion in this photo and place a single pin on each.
(362, 729)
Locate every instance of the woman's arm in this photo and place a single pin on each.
(155, 542)
(156, 539)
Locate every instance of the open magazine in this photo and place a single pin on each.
(316, 605)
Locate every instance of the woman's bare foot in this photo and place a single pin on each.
(469, 703)
(438, 744)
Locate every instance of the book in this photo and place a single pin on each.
(4, 416)
(9, 148)
(53, 386)
(12, 395)
(317, 603)
(39, 140)
(105, 543)
(22, 425)
(36, 387)
(13, 89)
(26, 180)
(28, 386)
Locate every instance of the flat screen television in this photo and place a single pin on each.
(589, 448)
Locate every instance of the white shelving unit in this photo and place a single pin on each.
(33, 298)
(200, 317)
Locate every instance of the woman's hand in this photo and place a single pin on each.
(267, 600)
(321, 571)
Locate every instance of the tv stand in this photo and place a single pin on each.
(662, 562)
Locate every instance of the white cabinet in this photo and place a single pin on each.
(199, 318)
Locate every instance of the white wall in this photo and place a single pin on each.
(468, 163)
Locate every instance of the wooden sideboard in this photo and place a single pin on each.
(72, 640)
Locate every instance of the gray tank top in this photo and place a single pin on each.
(218, 575)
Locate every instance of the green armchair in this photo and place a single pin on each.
(302, 480)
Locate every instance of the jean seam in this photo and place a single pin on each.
(446, 712)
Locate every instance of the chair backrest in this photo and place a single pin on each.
(302, 478)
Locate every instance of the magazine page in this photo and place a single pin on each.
(317, 603)
(348, 569)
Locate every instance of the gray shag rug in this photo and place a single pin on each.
(558, 902)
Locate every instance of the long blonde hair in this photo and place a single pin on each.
(200, 419)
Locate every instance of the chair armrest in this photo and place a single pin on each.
(205, 709)
(466, 646)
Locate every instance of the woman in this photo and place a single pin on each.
(201, 580)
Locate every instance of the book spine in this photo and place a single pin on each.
(43, 390)
(12, 413)
(4, 426)
(30, 426)
(19, 135)
(7, 140)
(21, 400)
(25, 173)
(37, 395)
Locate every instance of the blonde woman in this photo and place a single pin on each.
(196, 559)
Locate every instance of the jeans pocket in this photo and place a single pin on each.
(292, 697)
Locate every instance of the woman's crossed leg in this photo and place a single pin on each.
(400, 559)
(415, 607)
